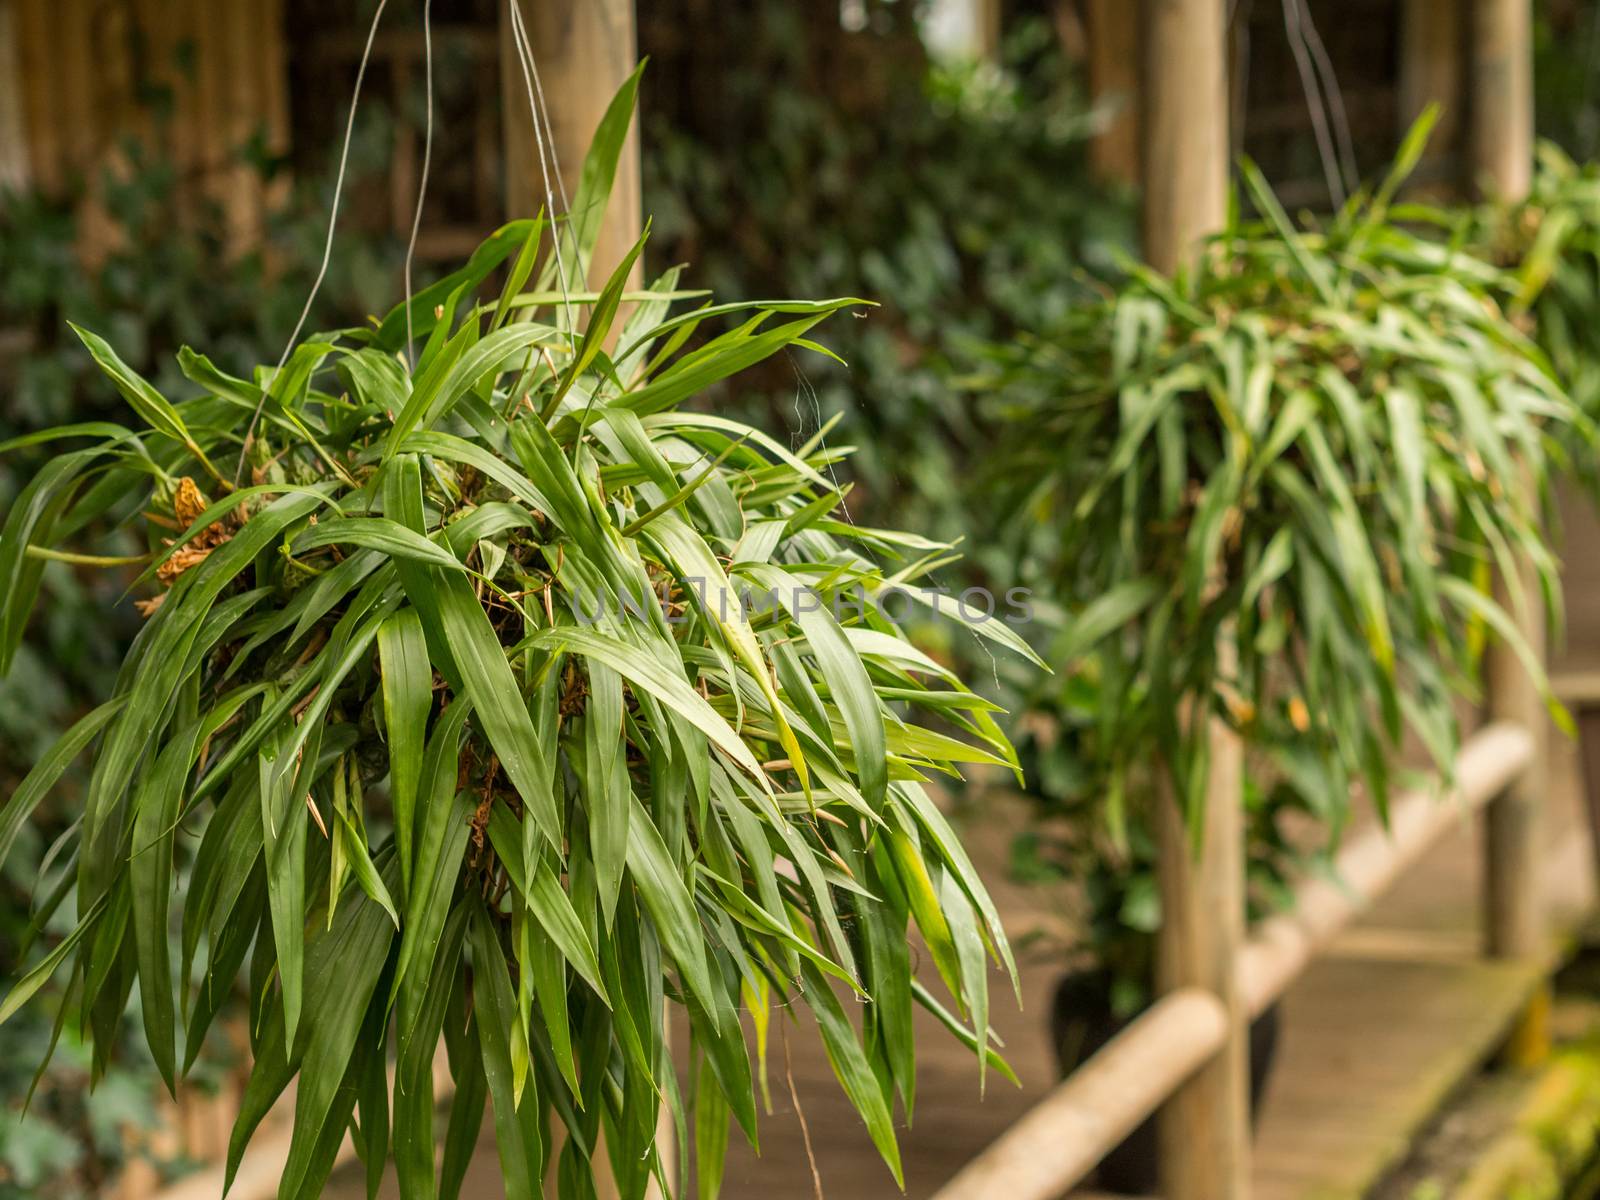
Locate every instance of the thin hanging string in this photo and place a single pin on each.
(544, 112)
(427, 161)
(536, 109)
(1340, 119)
(327, 247)
(1319, 115)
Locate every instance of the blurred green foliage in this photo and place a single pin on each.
(820, 161)
(157, 287)
(1566, 74)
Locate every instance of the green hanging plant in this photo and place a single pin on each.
(1549, 243)
(1306, 456)
(504, 588)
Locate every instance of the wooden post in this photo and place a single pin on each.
(1502, 96)
(1205, 1127)
(1113, 50)
(992, 28)
(1184, 127)
(1515, 917)
(584, 50)
(1431, 62)
(1502, 156)
(14, 170)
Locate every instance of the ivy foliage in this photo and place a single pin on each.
(493, 568)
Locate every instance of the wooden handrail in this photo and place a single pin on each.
(1060, 1139)
(1280, 946)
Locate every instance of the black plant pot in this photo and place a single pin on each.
(1081, 1022)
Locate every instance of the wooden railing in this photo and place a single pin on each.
(1061, 1139)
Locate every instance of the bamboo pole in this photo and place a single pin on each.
(14, 172)
(1205, 1126)
(1502, 156)
(1281, 946)
(1502, 96)
(1060, 1139)
(1184, 126)
(584, 50)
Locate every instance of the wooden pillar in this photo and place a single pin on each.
(584, 50)
(1431, 61)
(991, 29)
(1112, 38)
(1502, 96)
(1205, 1127)
(14, 167)
(1502, 157)
(1515, 923)
(1183, 118)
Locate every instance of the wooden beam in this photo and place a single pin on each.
(1205, 1126)
(584, 49)
(1280, 946)
(1502, 96)
(1514, 903)
(1060, 1139)
(1183, 114)
(14, 166)
(1502, 158)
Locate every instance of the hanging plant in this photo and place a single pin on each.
(1549, 243)
(450, 687)
(1303, 455)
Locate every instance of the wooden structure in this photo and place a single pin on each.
(1187, 1054)
(214, 89)
(1370, 67)
(584, 51)
(1038, 1158)
(197, 79)
(1197, 1072)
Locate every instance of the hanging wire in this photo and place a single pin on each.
(427, 162)
(544, 114)
(540, 116)
(327, 247)
(1314, 102)
(1330, 87)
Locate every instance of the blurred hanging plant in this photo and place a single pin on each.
(1073, 785)
(507, 581)
(1309, 448)
(1549, 244)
